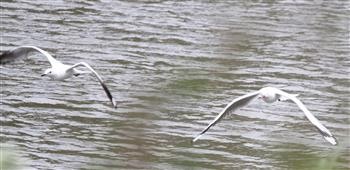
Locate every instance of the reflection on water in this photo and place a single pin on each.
(173, 66)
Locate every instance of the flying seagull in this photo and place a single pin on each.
(58, 70)
(270, 95)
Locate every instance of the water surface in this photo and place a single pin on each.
(173, 66)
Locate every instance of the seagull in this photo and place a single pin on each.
(58, 70)
(270, 95)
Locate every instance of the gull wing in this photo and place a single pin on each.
(23, 51)
(234, 105)
(109, 95)
(322, 129)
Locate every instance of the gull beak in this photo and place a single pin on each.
(43, 75)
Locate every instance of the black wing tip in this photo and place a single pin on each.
(10, 55)
(109, 95)
(4, 55)
(114, 104)
(199, 135)
(332, 140)
(329, 137)
(193, 141)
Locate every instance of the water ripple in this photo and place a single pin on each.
(172, 66)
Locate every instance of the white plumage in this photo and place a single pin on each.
(58, 70)
(270, 95)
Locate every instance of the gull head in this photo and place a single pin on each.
(48, 72)
(268, 95)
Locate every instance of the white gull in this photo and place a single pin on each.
(270, 95)
(58, 70)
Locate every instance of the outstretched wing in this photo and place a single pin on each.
(23, 51)
(109, 95)
(322, 129)
(234, 105)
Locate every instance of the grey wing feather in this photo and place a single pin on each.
(322, 129)
(234, 105)
(23, 51)
(108, 93)
(9, 56)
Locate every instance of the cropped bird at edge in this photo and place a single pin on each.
(58, 70)
(270, 95)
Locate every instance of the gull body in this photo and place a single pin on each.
(57, 71)
(61, 71)
(270, 95)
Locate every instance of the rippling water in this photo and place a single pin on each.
(173, 66)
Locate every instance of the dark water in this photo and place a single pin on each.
(173, 66)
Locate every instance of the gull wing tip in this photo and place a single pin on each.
(114, 104)
(196, 138)
(331, 140)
